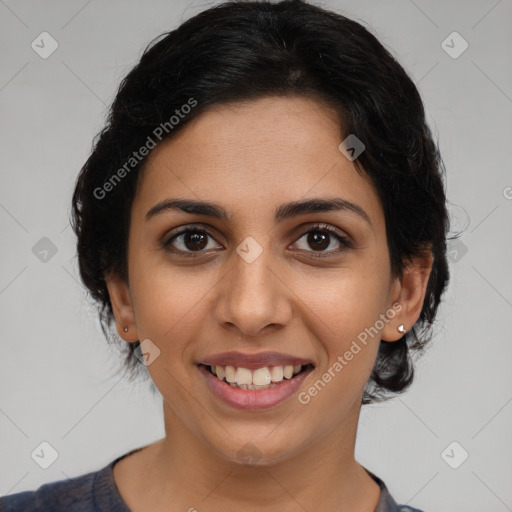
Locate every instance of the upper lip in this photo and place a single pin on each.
(254, 361)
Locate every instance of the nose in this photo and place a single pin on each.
(253, 298)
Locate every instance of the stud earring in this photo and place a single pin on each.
(401, 328)
(125, 329)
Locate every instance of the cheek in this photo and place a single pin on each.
(346, 301)
(342, 311)
(340, 321)
(170, 308)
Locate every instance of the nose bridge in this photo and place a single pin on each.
(252, 280)
(252, 297)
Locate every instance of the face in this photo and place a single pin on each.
(246, 272)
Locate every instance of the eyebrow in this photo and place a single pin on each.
(283, 212)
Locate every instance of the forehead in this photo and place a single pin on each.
(262, 151)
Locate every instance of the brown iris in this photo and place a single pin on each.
(195, 240)
(318, 240)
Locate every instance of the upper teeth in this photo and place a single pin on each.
(259, 377)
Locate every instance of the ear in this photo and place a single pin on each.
(121, 301)
(408, 290)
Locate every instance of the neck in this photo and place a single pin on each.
(186, 471)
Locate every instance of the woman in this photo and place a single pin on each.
(263, 219)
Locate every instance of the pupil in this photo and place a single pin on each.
(321, 240)
(194, 239)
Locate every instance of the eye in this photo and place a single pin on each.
(193, 239)
(322, 240)
(322, 237)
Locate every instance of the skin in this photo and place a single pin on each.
(250, 158)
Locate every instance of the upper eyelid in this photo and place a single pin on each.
(188, 227)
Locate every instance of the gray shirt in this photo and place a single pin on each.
(97, 492)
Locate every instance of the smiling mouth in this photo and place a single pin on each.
(259, 379)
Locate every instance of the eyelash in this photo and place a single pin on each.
(322, 228)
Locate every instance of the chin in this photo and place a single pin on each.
(256, 452)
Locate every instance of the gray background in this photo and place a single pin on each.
(57, 373)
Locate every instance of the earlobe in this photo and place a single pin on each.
(409, 290)
(122, 307)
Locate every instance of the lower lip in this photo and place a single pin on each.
(252, 399)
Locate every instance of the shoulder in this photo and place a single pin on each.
(95, 491)
(74, 494)
(386, 502)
